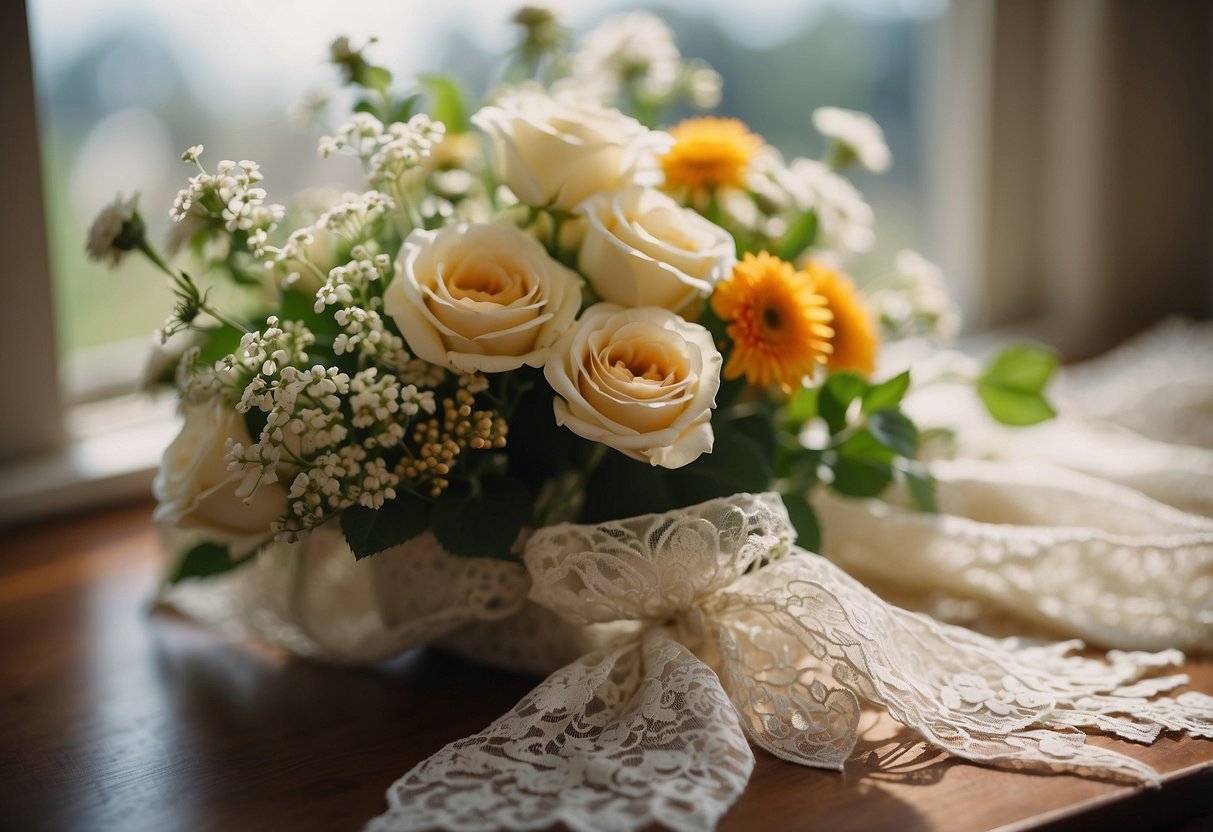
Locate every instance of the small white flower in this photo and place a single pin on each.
(191, 154)
(856, 135)
(845, 219)
(637, 47)
(116, 230)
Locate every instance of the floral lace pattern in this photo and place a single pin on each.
(618, 740)
(643, 731)
(1066, 551)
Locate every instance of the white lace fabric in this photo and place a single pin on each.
(1097, 524)
(733, 615)
(684, 638)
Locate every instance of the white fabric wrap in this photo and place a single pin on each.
(1097, 524)
(746, 636)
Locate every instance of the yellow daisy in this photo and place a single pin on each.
(709, 153)
(854, 340)
(779, 326)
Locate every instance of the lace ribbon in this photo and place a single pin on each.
(744, 635)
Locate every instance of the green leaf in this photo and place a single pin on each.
(887, 394)
(481, 518)
(801, 407)
(857, 477)
(448, 103)
(218, 342)
(804, 520)
(754, 422)
(839, 390)
(300, 306)
(894, 430)
(1015, 408)
(1023, 367)
(1012, 385)
(375, 77)
(863, 445)
(799, 236)
(203, 561)
(921, 486)
(369, 531)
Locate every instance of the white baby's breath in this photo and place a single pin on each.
(855, 135)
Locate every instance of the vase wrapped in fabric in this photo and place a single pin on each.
(566, 392)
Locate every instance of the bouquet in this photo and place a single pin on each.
(544, 311)
(616, 363)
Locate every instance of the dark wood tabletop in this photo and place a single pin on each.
(114, 718)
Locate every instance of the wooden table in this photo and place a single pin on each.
(115, 719)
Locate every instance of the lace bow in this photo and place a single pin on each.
(745, 635)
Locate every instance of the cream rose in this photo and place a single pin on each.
(196, 491)
(642, 248)
(561, 150)
(642, 381)
(483, 298)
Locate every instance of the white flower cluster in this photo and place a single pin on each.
(230, 195)
(306, 428)
(914, 300)
(388, 152)
(637, 50)
(856, 137)
(782, 192)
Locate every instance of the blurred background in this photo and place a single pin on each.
(1052, 155)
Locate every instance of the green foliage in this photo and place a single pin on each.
(886, 395)
(203, 561)
(369, 531)
(447, 103)
(835, 398)
(920, 484)
(866, 449)
(622, 487)
(800, 235)
(481, 518)
(1012, 385)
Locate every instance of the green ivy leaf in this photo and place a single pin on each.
(800, 235)
(886, 395)
(481, 518)
(804, 520)
(894, 430)
(369, 531)
(921, 486)
(836, 395)
(448, 103)
(1012, 385)
(203, 561)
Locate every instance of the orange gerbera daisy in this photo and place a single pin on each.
(780, 327)
(709, 153)
(854, 338)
